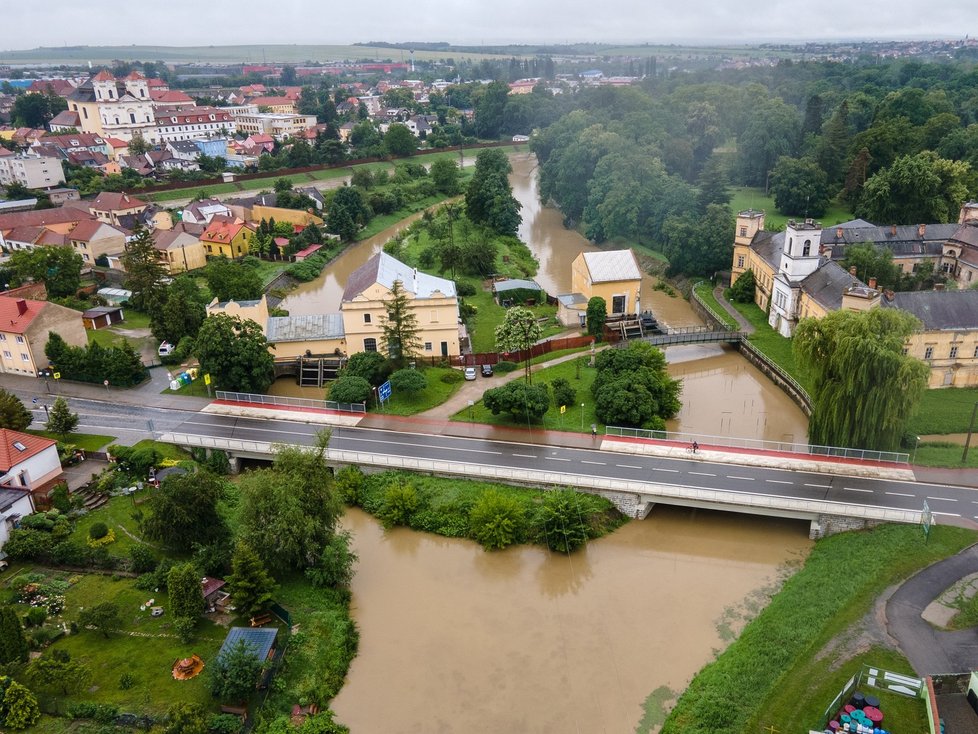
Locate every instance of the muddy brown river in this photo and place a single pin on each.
(454, 639)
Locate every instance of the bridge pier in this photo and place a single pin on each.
(824, 525)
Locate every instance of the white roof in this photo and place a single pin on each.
(612, 265)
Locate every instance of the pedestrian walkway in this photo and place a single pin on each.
(742, 323)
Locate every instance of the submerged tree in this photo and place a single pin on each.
(865, 387)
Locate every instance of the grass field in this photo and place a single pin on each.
(939, 453)
(772, 675)
(754, 198)
(704, 289)
(775, 346)
(436, 393)
(83, 441)
(944, 410)
(482, 326)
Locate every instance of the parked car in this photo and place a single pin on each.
(470, 373)
(487, 370)
(166, 349)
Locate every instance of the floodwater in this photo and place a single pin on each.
(454, 639)
(725, 395)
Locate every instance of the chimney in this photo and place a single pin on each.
(21, 306)
(921, 230)
(852, 270)
(872, 283)
(893, 230)
(838, 233)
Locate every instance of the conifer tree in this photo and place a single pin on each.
(250, 585)
(400, 338)
(61, 420)
(13, 644)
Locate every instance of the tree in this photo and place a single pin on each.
(36, 110)
(520, 400)
(700, 246)
(597, 313)
(145, 274)
(771, 132)
(13, 415)
(633, 387)
(917, 188)
(865, 388)
(138, 145)
(871, 261)
(185, 591)
(58, 673)
(13, 644)
(235, 674)
(520, 330)
(409, 381)
(799, 187)
(184, 513)
(59, 268)
(234, 352)
(104, 617)
(400, 340)
(489, 198)
(371, 366)
(19, 709)
(228, 281)
(445, 174)
(186, 718)
(61, 420)
(288, 513)
(561, 517)
(563, 393)
(489, 109)
(743, 290)
(713, 183)
(400, 141)
(496, 520)
(182, 314)
(249, 584)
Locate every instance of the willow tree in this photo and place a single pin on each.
(865, 388)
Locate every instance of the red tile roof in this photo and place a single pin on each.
(110, 201)
(11, 318)
(169, 96)
(11, 455)
(103, 76)
(42, 217)
(222, 229)
(85, 230)
(272, 101)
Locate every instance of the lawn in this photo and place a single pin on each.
(704, 289)
(944, 410)
(436, 393)
(776, 347)
(168, 451)
(196, 389)
(552, 420)
(117, 514)
(754, 198)
(946, 454)
(268, 270)
(489, 315)
(772, 674)
(83, 441)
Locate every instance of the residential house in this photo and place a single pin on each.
(75, 143)
(15, 503)
(203, 210)
(214, 592)
(24, 329)
(345, 130)
(65, 121)
(179, 250)
(29, 470)
(227, 236)
(256, 311)
(264, 206)
(109, 206)
(433, 300)
(213, 147)
(613, 275)
(184, 150)
(93, 239)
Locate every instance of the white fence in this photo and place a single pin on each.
(837, 452)
(287, 402)
(651, 491)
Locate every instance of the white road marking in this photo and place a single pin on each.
(746, 479)
(632, 466)
(658, 468)
(900, 494)
(778, 481)
(702, 474)
(820, 486)
(949, 514)
(555, 458)
(526, 456)
(943, 499)
(857, 489)
(599, 463)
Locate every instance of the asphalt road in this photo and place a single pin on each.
(943, 500)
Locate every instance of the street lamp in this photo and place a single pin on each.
(582, 416)
(916, 443)
(971, 429)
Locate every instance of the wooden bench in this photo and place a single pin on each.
(260, 620)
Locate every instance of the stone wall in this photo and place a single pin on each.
(825, 525)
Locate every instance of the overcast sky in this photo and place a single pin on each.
(220, 22)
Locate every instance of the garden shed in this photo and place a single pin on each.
(515, 292)
(101, 317)
(261, 641)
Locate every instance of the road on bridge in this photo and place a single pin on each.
(943, 500)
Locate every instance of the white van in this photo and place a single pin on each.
(166, 349)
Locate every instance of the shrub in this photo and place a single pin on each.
(518, 400)
(70, 553)
(335, 567)
(100, 543)
(563, 393)
(126, 681)
(450, 378)
(409, 381)
(465, 288)
(27, 545)
(743, 290)
(561, 520)
(496, 520)
(349, 483)
(506, 366)
(60, 499)
(401, 502)
(350, 390)
(103, 713)
(141, 559)
(224, 724)
(98, 530)
(35, 617)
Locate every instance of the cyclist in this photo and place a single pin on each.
(695, 447)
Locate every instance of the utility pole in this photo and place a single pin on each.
(971, 429)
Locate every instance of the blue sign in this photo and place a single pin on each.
(385, 391)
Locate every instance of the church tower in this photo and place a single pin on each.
(800, 256)
(749, 223)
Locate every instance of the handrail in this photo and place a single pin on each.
(708, 308)
(288, 402)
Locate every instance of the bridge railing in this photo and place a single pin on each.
(789, 447)
(287, 402)
(542, 478)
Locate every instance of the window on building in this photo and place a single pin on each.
(954, 352)
(427, 347)
(370, 344)
(25, 357)
(806, 249)
(743, 231)
(904, 351)
(366, 318)
(976, 352)
(618, 304)
(740, 261)
(928, 352)
(3, 337)
(20, 340)
(7, 354)
(85, 112)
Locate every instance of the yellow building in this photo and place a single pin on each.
(110, 207)
(92, 238)
(227, 236)
(433, 301)
(613, 275)
(256, 311)
(24, 329)
(179, 250)
(313, 334)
